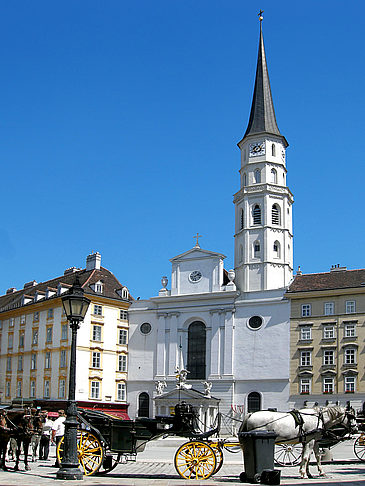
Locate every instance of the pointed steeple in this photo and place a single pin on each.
(262, 117)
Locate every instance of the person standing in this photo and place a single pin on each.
(58, 430)
(45, 438)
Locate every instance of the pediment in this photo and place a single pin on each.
(187, 395)
(197, 253)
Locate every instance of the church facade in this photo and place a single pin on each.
(228, 329)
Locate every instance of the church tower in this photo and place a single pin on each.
(263, 205)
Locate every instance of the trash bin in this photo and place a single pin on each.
(258, 454)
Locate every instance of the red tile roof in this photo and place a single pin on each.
(337, 279)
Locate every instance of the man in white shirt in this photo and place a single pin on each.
(45, 438)
(58, 430)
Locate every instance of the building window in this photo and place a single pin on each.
(274, 176)
(46, 389)
(10, 341)
(241, 218)
(19, 389)
(329, 332)
(99, 287)
(21, 340)
(33, 361)
(256, 249)
(253, 402)
(244, 179)
(123, 333)
(7, 389)
(145, 328)
(20, 363)
(305, 386)
(276, 248)
(8, 363)
(11, 321)
(144, 405)
(36, 316)
(257, 176)
(63, 358)
(273, 150)
(97, 333)
(32, 389)
(95, 389)
(328, 357)
(256, 214)
(98, 310)
(196, 351)
(47, 360)
(50, 314)
(49, 333)
(349, 384)
(350, 330)
(123, 315)
(22, 319)
(306, 310)
(64, 332)
(96, 357)
(121, 392)
(305, 333)
(350, 356)
(329, 308)
(122, 362)
(275, 214)
(328, 385)
(35, 337)
(350, 306)
(305, 358)
(61, 388)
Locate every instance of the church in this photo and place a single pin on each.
(219, 339)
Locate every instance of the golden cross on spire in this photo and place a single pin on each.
(197, 236)
(260, 15)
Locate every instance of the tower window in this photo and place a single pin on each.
(276, 249)
(256, 214)
(275, 214)
(257, 176)
(274, 176)
(256, 249)
(241, 218)
(273, 150)
(244, 179)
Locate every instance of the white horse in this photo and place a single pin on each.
(306, 425)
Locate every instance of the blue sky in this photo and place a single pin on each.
(119, 122)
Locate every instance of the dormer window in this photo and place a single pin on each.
(98, 287)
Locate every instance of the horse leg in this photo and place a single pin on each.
(26, 443)
(318, 459)
(17, 454)
(304, 465)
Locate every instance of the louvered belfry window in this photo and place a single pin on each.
(256, 213)
(275, 214)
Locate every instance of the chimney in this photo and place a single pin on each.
(27, 285)
(299, 272)
(337, 268)
(11, 290)
(93, 261)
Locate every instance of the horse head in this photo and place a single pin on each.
(337, 415)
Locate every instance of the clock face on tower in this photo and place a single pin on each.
(195, 276)
(257, 148)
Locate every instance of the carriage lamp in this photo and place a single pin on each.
(75, 305)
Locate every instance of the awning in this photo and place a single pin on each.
(112, 412)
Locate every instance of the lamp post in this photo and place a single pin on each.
(75, 306)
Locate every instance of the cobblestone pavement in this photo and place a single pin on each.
(155, 467)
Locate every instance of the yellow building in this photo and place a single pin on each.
(35, 340)
(327, 331)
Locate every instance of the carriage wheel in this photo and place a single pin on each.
(110, 462)
(89, 451)
(288, 454)
(219, 458)
(195, 460)
(359, 447)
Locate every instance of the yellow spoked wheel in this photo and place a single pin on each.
(89, 450)
(359, 447)
(218, 456)
(195, 460)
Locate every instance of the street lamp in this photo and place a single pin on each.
(75, 306)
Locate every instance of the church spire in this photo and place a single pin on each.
(262, 117)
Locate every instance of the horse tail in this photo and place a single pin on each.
(244, 427)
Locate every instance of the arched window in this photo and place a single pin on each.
(244, 154)
(257, 176)
(273, 150)
(256, 214)
(256, 249)
(276, 249)
(244, 179)
(241, 254)
(253, 402)
(241, 218)
(274, 176)
(196, 351)
(275, 214)
(144, 405)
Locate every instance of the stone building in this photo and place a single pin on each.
(327, 336)
(35, 340)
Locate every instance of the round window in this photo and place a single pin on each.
(255, 322)
(145, 328)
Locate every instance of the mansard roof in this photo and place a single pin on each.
(336, 279)
(111, 287)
